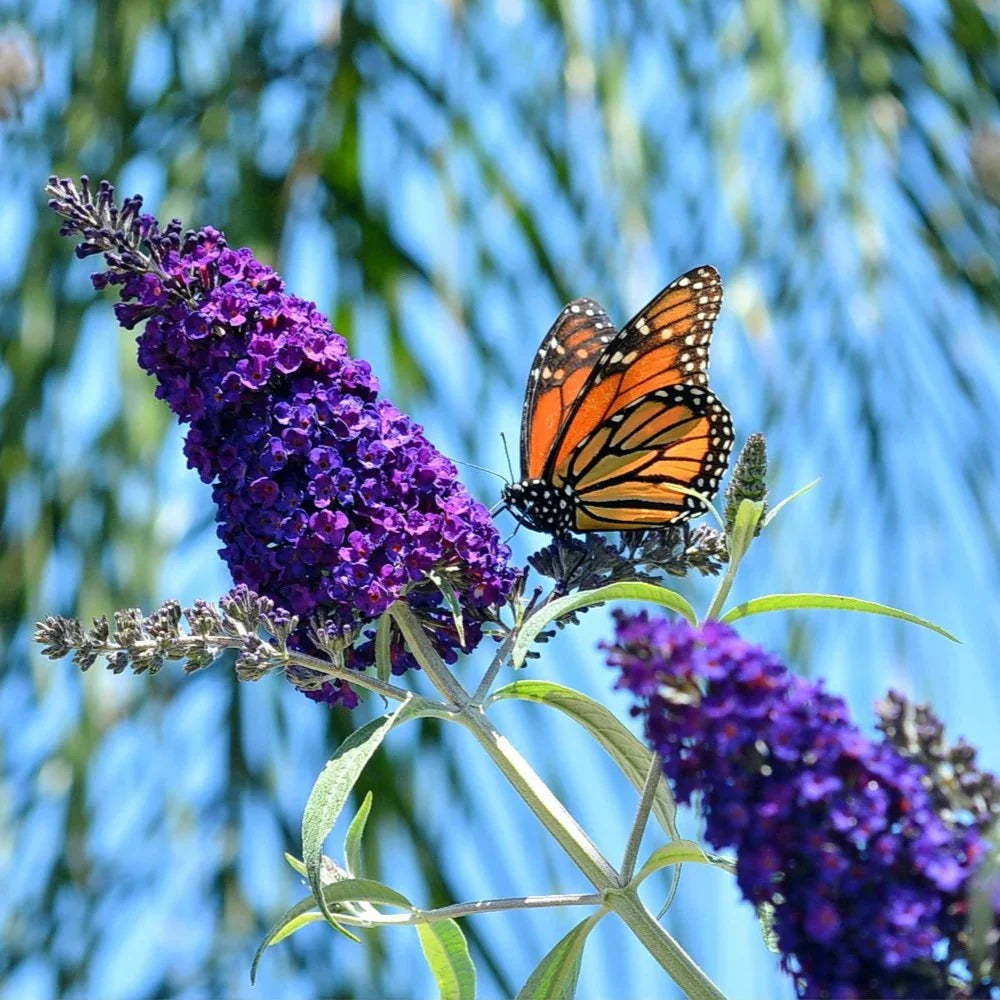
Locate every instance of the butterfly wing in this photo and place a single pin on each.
(622, 474)
(564, 362)
(664, 344)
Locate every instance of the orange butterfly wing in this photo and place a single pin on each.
(664, 344)
(623, 473)
(564, 362)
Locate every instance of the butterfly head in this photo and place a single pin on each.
(540, 506)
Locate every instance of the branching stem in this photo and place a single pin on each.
(556, 818)
(457, 910)
(641, 818)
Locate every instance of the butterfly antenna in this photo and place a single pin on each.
(506, 451)
(480, 468)
(507, 540)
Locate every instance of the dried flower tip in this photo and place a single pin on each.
(245, 607)
(749, 479)
(255, 660)
(645, 555)
(957, 784)
(57, 635)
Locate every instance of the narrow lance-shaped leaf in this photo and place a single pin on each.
(802, 602)
(355, 832)
(383, 648)
(451, 599)
(773, 512)
(448, 957)
(631, 756)
(677, 852)
(305, 911)
(296, 917)
(555, 977)
(625, 591)
(334, 785)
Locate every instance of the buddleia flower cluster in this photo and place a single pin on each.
(329, 499)
(864, 866)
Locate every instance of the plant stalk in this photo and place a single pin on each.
(641, 818)
(471, 909)
(679, 965)
(556, 818)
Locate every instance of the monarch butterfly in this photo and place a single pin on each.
(612, 419)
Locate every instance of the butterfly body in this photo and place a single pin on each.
(615, 420)
(540, 506)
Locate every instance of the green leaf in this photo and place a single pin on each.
(631, 756)
(447, 954)
(451, 599)
(748, 516)
(799, 602)
(383, 648)
(363, 890)
(334, 785)
(627, 591)
(794, 496)
(352, 842)
(556, 975)
(677, 852)
(300, 915)
(296, 864)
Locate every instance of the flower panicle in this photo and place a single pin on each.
(818, 813)
(241, 620)
(646, 555)
(329, 499)
(748, 481)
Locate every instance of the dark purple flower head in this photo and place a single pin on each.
(836, 832)
(330, 500)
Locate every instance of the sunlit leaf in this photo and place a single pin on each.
(627, 591)
(677, 852)
(334, 785)
(447, 954)
(555, 977)
(296, 864)
(300, 915)
(383, 648)
(352, 842)
(629, 753)
(772, 513)
(834, 602)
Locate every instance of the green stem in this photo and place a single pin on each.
(494, 668)
(680, 966)
(722, 591)
(471, 909)
(555, 817)
(641, 817)
(748, 516)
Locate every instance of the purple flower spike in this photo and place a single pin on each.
(839, 834)
(330, 500)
